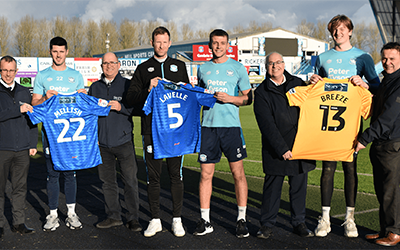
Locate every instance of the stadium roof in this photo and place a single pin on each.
(387, 17)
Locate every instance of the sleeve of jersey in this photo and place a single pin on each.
(369, 69)
(317, 66)
(148, 105)
(38, 85)
(39, 112)
(296, 96)
(96, 106)
(81, 82)
(244, 82)
(366, 102)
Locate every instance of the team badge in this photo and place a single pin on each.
(203, 157)
(49, 79)
(353, 61)
(329, 61)
(201, 49)
(151, 69)
(229, 72)
(149, 149)
(173, 68)
(102, 103)
(71, 79)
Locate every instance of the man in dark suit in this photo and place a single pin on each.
(18, 139)
(278, 125)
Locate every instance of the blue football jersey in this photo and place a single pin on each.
(70, 121)
(176, 118)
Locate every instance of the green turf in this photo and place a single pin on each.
(223, 181)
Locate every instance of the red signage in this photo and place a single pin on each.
(203, 53)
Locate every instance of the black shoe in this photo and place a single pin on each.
(22, 229)
(303, 231)
(241, 229)
(1, 232)
(203, 227)
(264, 232)
(107, 223)
(134, 226)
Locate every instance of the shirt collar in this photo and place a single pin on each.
(8, 86)
(276, 84)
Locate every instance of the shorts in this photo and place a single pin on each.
(214, 141)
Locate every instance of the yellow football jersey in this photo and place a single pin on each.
(329, 119)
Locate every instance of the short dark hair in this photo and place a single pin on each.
(160, 31)
(391, 45)
(339, 19)
(58, 41)
(218, 32)
(8, 59)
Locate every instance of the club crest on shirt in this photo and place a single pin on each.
(173, 68)
(353, 61)
(102, 103)
(229, 72)
(71, 79)
(149, 149)
(203, 157)
(150, 69)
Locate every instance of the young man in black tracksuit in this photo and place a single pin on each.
(145, 78)
(116, 142)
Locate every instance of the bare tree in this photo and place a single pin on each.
(173, 30)
(76, 37)
(93, 39)
(61, 27)
(321, 31)
(128, 34)
(187, 33)
(374, 42)
(256, 27)
(43, 37)
(305, 28)
(4, 35)
(108, 27)
(237, 29)
(25, 30)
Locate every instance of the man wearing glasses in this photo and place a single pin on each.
(278, 125)
(116, 142)
(58, 79)
(18, 139)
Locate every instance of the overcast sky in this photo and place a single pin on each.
(203, 14)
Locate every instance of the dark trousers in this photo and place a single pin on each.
(15, 164)
(272, 196)
(53, 180)
(154, 169)
(125, 155)
(385, 159)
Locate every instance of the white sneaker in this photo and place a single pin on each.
(350, 229)
(153, 228)
(73, 222)
(323, 228)
(177, 227)
(52, 222)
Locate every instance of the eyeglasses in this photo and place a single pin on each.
(109, 63)
(275, 63)
(12, 71)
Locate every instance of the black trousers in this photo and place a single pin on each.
(385, 159)
(154, 169)
(125, 155)
(15, 164)
(272, 196)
